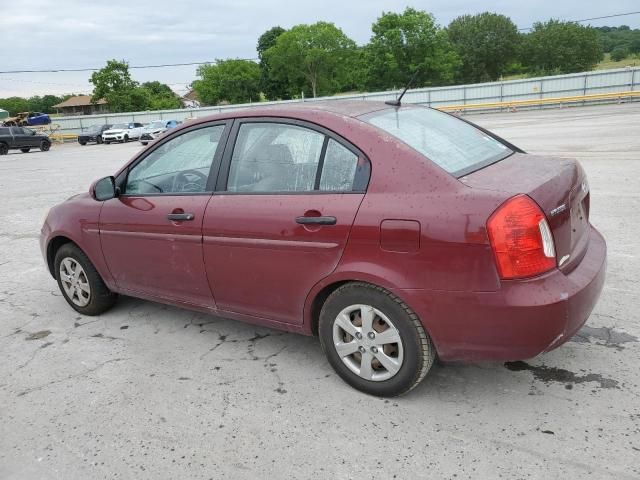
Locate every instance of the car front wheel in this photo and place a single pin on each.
(374, 341)
(25, 150)
(4, 149)
(80, 283)
(44, 145)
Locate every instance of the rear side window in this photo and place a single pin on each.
(454, 145)
(4, 131)
(273, 157)
(339, 169)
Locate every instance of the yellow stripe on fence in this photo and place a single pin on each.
(542, 101)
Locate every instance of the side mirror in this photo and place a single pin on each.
(104, 189)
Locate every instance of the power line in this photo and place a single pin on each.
(587, 19)
(93, 69)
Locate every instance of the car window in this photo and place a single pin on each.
(180, 165)
(27, 131)
(4, 131)
(16, 131)
(274, 157)
(454, 145)
(339, 169)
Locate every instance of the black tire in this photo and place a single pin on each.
(126, 138)
(145, 143)
(4, 149)
(45, 146)
(101, 298)
(107, 142)
(82, 143)
(25, 150)
(418, 350)
(98, 140)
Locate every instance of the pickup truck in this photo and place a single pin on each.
(23, 139)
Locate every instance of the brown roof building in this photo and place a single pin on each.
(81, 105)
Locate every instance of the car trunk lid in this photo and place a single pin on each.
(557, 185)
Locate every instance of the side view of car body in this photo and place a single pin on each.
(156, 128)
(93, 134)
(122, 132)
(395, 234)
(23, 139)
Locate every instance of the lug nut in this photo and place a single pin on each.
(371, 335)
(362, 349)
(374, 349)
(358, 335)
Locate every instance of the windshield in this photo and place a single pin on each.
(120, 126)
(454, 145)
(156, 124)
(94, 128)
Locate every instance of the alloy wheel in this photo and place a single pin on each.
(368, 343)
(75, 282)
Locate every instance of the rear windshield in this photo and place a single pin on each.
(454, 145)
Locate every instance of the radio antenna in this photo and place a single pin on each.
(396, 102)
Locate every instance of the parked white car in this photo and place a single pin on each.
(156, 128)
(123, 132)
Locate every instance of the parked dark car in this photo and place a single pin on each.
(23, 139)
(92, 134)
(394, 233)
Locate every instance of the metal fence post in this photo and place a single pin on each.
(541, 92)
(633, 79)
(429, 98)
(584, 88)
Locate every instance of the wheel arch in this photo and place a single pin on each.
(321, 291)
(52, 248)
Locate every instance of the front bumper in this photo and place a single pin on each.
(521, 320)
(113, 137)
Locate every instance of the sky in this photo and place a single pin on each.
(46, 34)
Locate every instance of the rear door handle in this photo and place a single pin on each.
(316, 220)
(180, 217)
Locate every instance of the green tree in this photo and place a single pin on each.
(14, 105)
(233, 81)
(311, 58)
(619, 53)
(44, 104)
(561, 47)
(486, 43)
(161, 97)
(272, 88)
(406, 42)
(115, 85)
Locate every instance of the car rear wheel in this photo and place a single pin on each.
(374, 341)
(80, 283)
(98, 140)
(45, 146)
(82, 143)
(4, 149)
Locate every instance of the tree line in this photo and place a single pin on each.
(320, 59)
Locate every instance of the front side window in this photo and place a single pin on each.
(454, 145)
(274, 157)
(181, 165)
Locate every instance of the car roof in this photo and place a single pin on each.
(302, 110)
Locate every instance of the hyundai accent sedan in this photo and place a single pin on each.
(395, 234)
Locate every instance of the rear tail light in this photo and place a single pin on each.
(521, 239)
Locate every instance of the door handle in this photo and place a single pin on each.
(316, 220)
(180, 217)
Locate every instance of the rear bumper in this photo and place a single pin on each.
(521, 320)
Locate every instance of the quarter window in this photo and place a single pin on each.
(339, 169)
(272, 157)
(181, 165)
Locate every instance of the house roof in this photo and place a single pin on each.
(79, 101)
(191, 95)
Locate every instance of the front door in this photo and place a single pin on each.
(151, 233)
(281, 216)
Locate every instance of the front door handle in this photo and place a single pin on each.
(180, 217)
(316, 220)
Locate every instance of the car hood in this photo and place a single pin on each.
(154, 130)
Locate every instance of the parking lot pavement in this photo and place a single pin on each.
(150, 391)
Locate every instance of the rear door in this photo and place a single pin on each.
(285, 201)
(151, 234)
(19, 137)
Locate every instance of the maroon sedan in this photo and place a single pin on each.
(394, 233)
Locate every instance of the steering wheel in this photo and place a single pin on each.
(185, 181)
